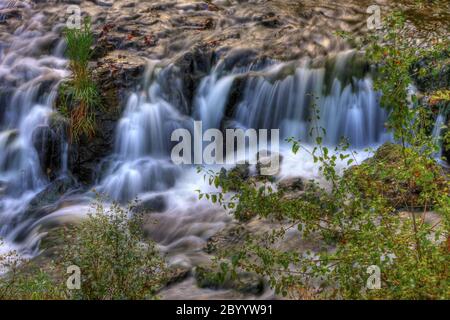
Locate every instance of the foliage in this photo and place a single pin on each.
(374, 215)
(440, 96)
(385, 174)
(360, 230)
(222, 279)
(115, 261)
(81, 91)
(25, 281)
(394, 56)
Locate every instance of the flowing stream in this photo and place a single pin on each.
(29, 80)
(272, 96)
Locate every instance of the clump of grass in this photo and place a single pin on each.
(81, 88)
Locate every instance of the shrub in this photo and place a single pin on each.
(108, 246)
(352, 229)
(115, 260)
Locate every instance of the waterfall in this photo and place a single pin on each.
(211, 99)
(436, 133)
(345, 110)
(28, 81)
(272, 99)
(141, 160)
(140, 166)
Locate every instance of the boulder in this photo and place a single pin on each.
(245, 282)
(49, 143)
(268, 163)
(291, 184)
(182, 79)
(386, 174)
(154, 204)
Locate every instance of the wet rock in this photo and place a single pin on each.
(48, 147)
(432, 73)
(11, 136)
(176, 275)
(71, 1)
(154, 204)
(446, 148)
(291, 184)
(104, 3)
(240, 171)
(269, 20)
(10, 13)
(245, 282)
(232, 235)
(3, 187)
(235, 176)
(379, 175)
(53, 191)
(240, 57)
(43, 203)
(183, 79)
(49, 143)
(268, 162)
(10, 155)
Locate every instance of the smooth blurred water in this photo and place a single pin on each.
(275, 96)
(28, 79)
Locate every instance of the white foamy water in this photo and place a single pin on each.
(28, 78)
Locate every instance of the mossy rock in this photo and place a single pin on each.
(245, 282)
(412, 184)
(432, 73)
(235, 176)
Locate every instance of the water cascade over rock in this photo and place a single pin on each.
(28, 80)
(238, 88)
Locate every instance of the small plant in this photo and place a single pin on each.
(81, 88)
(116, 262)
(20, 279)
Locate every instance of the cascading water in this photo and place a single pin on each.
(272, 96)
(437, 131)
(235, 94)
(141, 166)
(29, 80)
(141, 161)
(211, 99)
(346, 110)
